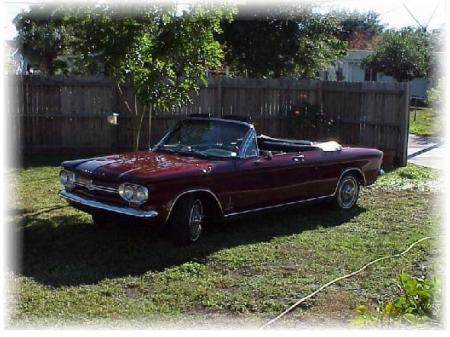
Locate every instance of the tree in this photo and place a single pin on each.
(435, 96)
(41, 34)
(45, 37)
(160, 52)
(437, 40)
(359, 29)
(280, 41)
(403, 54)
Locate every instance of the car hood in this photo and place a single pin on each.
(144, 166)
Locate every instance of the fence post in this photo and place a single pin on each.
(320, 95)
(219, 97)
(404, 127)
(115, 142)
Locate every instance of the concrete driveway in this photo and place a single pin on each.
(426, 151)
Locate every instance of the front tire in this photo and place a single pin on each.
(187, 220)
(347, 192)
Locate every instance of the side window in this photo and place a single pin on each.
(251, 149)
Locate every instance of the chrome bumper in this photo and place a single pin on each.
(107, 207)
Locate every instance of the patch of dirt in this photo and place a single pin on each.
(334, 305)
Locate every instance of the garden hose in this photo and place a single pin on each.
(300, 301)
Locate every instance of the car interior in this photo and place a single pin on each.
(278, 145)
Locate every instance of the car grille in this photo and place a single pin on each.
(98, 189)
(91, 186)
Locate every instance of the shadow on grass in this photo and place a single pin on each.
(24, 214)
(67, 250)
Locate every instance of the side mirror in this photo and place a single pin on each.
(268, 154)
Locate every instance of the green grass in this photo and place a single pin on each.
(243, 272)
(411, 177)
(426, 123)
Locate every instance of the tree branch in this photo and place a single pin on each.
(119, 89)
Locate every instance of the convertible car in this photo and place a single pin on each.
(206, 169)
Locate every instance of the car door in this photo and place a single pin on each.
(267, 182)
(320, 173)
(263, 181)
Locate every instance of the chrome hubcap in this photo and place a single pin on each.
(195, 220)
(348, 192)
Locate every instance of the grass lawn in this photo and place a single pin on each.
(241, 273)
(426, 123)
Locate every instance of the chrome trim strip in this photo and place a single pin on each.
(193, 191)
(97, 187)
(218, 119)
(349, 169)
(107, 207)
(249, 136)
(277, 206)
(197, 118)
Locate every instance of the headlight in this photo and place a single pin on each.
(126, 191)
(63, 177)
(141, 194)
(67, 178)
(133, 193)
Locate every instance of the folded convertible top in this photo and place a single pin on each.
(265, 138)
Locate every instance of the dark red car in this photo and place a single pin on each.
(210, 168)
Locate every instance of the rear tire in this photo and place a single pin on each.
(347, 192)
(187, 220)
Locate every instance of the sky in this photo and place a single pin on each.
(394, 13)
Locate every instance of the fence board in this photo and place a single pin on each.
(68, 115)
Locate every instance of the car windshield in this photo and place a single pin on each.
(205, 137)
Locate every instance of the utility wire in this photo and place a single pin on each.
(412, 15)
(432, 14)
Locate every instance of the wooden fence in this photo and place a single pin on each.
(69, 115)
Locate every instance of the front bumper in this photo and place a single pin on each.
(101, 206)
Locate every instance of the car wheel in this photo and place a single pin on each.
(347, 192)
(187, 220)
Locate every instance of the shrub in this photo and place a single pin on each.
(435, 96)
(418, 304)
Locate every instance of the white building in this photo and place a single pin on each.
(349, 69)
(15, 62)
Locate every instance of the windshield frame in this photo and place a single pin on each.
(249, 135)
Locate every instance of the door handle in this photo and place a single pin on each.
(298, 158)
(207, 170)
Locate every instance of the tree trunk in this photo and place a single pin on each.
(50, 69)
(150, 111)
(137, 116)
(136, 121)
(136, 134)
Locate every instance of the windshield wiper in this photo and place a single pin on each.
(162, 148)
(171, 147)
(180, 149)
